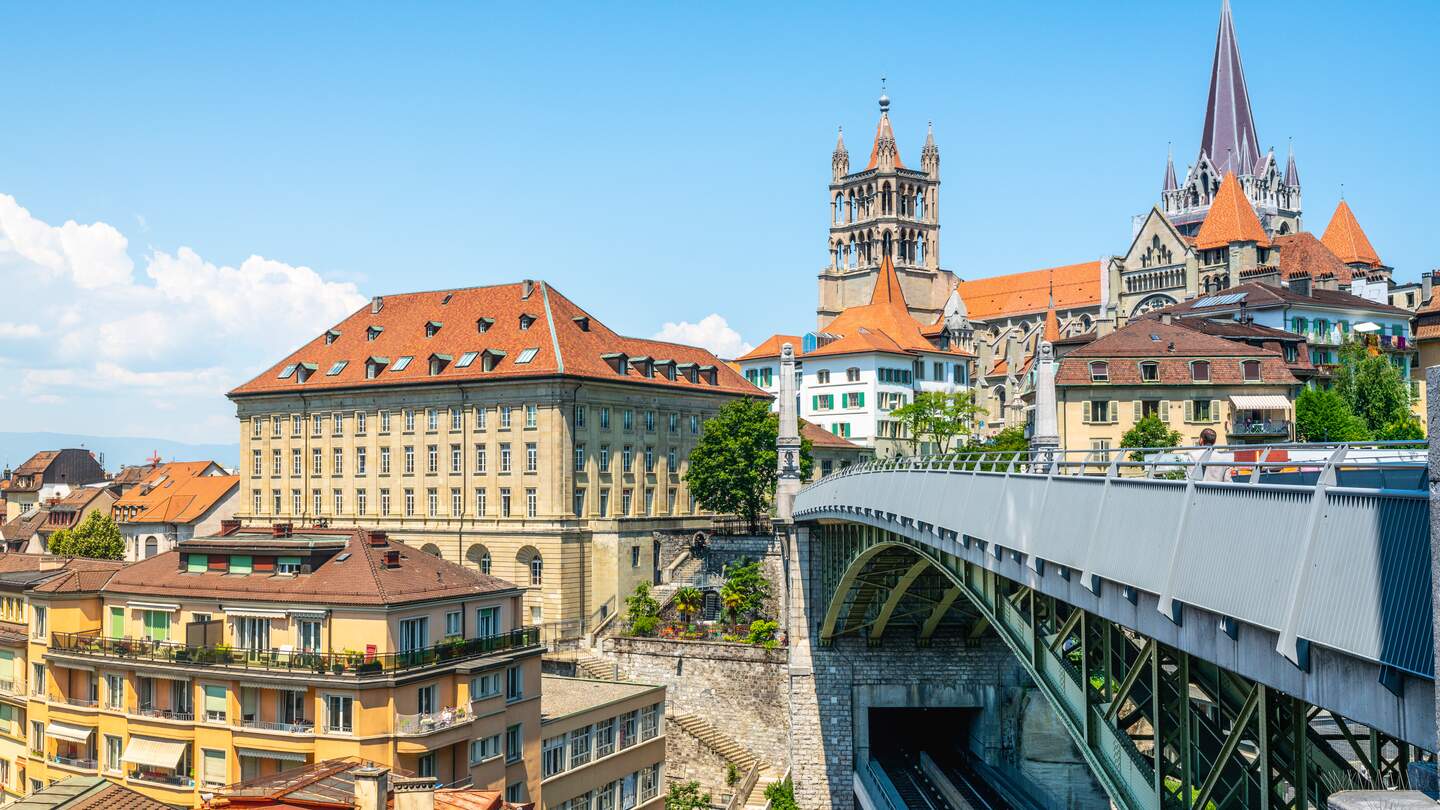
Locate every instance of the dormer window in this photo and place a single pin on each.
(1149, 371)
(1250, 370)
(482, 325)
(374, 366)
(286, 371)
(402, 363)
(303, 371)
(490, 358)
(466, 359)
(525, 320)
(709, 374)
(431, 327)
(373, 332)
(1100, 372)
(438, 362)
(582, 321)
(1200, 371)
(331, 335)
(689, 371)
(525, 356)
(666, 368)
(642, 365)
(337, 367)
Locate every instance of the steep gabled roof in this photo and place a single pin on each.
(883, 325)
(771, 346)
(1231, 218)
(1347, 240)
(178, 492)
(1301, 254)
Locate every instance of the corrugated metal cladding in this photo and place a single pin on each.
(1234, 549)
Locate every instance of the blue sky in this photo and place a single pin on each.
(658, 163)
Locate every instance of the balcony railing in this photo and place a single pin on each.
(11, 688)
(301, 727)
(160, 778)
(1260, 427)
(357, 664)
(425, 723)
(84, 703)
(165, 714)
(83, 764)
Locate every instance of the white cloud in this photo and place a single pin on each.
(117, 343)
(712, 332)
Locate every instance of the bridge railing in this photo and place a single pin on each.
(1384, 465)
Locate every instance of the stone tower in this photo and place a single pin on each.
(884, 209)
(1228, 144)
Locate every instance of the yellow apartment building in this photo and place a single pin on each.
(499, 427)
(258, 650)
(602, 744)
(1192, 381)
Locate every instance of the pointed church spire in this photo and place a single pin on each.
(1170, 184)
(1229, 133)
(840, 158)
(930, 153)
(1347, 240)
(1231, 218)
(887, 285)
(1292, 174)
(885, 147)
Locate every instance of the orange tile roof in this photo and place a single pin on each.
(558, 337)
(1231, 218)
(820, 437)
(1301, 254)
(771, 347)
(1074, 286)
(883, 325)
(177, 492)
(883, 131)
(1347, 240)
(1052, 326)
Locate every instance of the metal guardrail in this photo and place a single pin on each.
(1320, 543)
(301, 727)
(348, 664)
(429, 722)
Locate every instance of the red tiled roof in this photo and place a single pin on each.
(883, 325)
(177, 492)
(1074, 286)
(1301, 254)
(820, 437)
(1173, 346)
(38, 463)
(362, 578)
(563, 339)
(1347, 240)
(882, 131)
(1231, 218)
(1052, 326)
(771, 347)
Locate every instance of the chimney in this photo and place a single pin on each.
(1300, 285)
(1427, 282)
(392, 558)
(371, 790)
(526, 287)
(229, 527)
(376, 304)
(414, 793)
(376, 538)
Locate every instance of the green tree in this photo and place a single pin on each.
(1324, 416)
(642, 611)
(938, 417)
(686, 796)
(1376, 391)
(745, 589)
(96, 537)
(1406, 428)
(1149, 432)
(688, 602)
(997, 451)
(781, 795)
(732, 468)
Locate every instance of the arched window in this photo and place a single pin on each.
(537, 570)
(431, 548)
(1200, 371)
(530, 564)
(479, 556)
(885, 244)
(152, 547)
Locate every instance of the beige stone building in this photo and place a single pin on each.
(602, 744)
(501, 427)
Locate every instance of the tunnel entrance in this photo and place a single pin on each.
(900, 739)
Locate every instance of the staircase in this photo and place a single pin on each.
(590, 665)
(733, 752)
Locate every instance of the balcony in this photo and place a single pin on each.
(165, 714)
(301, 727)
(83, 703)
(156, 777)
(429, 722)
(1260, 427)
(82, 764)
(92, 645)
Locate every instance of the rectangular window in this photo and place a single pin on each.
(579, 416)
(624, 501)
(307, 635)
(604, 418)
(552, 756)
(157, 624)
(252, 633)
(605, 738)
(479, 458)
(214, 703)
(114, 691)
(577, 502)
(360, 419)
(457, 503)
(504, 417)
(480, 502)
(414, 634)
(360, 461)
(579, 746)
(317, 461)
(287, 565)
(650, 722)
(114, 746)
(514, 684)
(532, 416)
(432, 459)
(628, 727)
(338, 496)
(361, 504)
(409, 503)
(456, 459)
(484, 748)
(513, 744)
(487, 623)
(505, 457)
(531, 503)
(532, 457)
(256, 464)
(212, 770)
(627, 459)
(604, 506)
(319, 500)
(339, 714)
(452, 624)
(384, 502)
(432, 502)
(604, 458)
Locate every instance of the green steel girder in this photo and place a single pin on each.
(1158, 728)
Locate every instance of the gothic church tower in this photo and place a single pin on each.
(885, 209)
(1228, 144)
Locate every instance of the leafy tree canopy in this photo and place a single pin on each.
(1149, 432)
(96, 537)
(732, 469)
(939, 418)
(642, 611)
(1375, 390)
(745, 588)
(1324, 416)
(686, 796)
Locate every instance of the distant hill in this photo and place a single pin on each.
(118, 450)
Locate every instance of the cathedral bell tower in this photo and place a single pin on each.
(885, 209)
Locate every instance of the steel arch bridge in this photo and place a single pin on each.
(1214, 630)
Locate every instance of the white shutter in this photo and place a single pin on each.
(1189, 411)
(1165, 410)
(1214, 410)
(1114, 411)
(1085, 411)
(1139, 410)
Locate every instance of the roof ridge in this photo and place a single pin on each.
(550, 321)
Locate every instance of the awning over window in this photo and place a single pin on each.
(283, 756)
(252, 613)
(155, 753)
(65, 731)
(1260, 402)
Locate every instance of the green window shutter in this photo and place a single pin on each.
(195, 563)
(862, 400)
(117, 622)
(157, 625)
(814, 403)
(295, 561)
(241, 564)
(214, 698)
(7, 666)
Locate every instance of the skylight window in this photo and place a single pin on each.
(525, 356)
(401, 363)
(287, 371)
(466, 359)
(338, 367)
